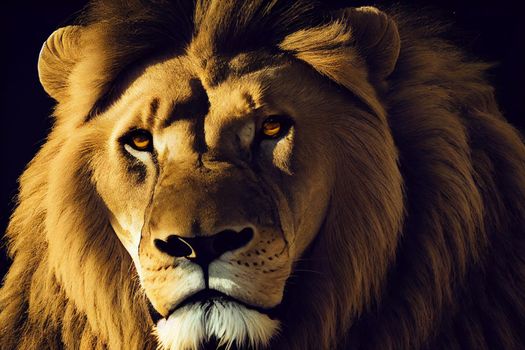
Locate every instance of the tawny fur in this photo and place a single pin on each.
(453, 277)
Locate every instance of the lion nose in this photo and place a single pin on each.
(204, 249)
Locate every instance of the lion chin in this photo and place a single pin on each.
(226, 324)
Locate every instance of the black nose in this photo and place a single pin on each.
(204, 249)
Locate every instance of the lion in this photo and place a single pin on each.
(266, 175)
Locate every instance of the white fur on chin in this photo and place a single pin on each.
(231, 323)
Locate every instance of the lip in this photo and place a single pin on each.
(207, 297)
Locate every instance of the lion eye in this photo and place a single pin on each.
(141, 140)
(275, 126)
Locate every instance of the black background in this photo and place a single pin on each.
(492, 31)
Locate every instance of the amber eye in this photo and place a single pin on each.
(140, 140)
(275, 126)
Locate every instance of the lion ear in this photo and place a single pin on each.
(58, 56)
(377, 39)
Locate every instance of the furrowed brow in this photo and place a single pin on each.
(153, 110)
(196, 106)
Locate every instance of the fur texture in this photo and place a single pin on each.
(191, 323)
(422, 242)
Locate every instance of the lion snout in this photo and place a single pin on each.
(212, 230)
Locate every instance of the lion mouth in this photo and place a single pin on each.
(207, 298)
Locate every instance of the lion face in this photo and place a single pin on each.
(215, 191)
(246, 183)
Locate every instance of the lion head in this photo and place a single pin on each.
(252, 175)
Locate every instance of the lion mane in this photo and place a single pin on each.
(437, 263)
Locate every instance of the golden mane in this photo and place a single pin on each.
(454, 273)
